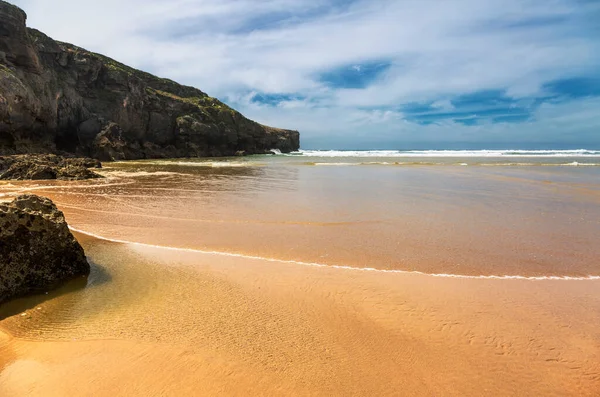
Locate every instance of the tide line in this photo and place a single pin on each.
(341, 267)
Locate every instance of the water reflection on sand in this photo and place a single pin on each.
(529, 221)
(154, 321)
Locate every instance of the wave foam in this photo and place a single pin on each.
(114, 173)
(321, 265)
(214, 164)
(475, 163)
(447, 153)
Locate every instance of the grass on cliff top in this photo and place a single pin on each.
(204, 102)
(35, 34)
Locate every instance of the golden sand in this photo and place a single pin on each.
(194, 324)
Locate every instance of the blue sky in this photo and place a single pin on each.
(361, 74)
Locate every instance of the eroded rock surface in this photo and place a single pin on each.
(58, 97)
(49, 166)
(37, 249)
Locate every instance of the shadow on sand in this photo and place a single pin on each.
(97, 277)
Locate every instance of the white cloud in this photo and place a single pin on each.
(436, 49)
(565, 123)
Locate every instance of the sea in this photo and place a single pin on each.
(460, 213)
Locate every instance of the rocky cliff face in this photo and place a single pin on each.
(37, 250)
(58, 97)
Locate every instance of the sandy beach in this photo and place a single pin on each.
(237, 326)
(178, 320)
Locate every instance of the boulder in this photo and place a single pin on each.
(49, 166)
(37, 249)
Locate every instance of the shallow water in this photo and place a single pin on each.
(530, 221)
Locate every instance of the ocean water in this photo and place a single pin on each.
(445, 153)
(529, 214)
(575, 157)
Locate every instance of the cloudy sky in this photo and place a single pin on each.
(360, 74)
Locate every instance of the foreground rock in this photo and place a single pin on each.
(37, 250)
(58, 97)
(49, 166)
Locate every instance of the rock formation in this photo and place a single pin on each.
(47, 166)
(37, 250)
(58, 97)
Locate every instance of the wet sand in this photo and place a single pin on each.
(177, 323)
(316, 319)
(528, 221)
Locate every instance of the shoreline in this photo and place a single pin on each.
(497, 224)
(207, 322)
(342, 267)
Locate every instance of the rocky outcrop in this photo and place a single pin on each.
(47, 166)
(58, 97)
(37, 250)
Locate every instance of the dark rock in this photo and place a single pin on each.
(81, 162)
(14, 43)
(48, 166)
(5, 162)
(37, 250)
(58, 97)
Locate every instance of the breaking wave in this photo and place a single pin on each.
(200, 163)
(447, 153)
(341, 267)
(409, 163)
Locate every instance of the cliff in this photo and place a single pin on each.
(56, 97)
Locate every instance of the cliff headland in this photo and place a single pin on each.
(59, 98)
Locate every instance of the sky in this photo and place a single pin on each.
(366, 74)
